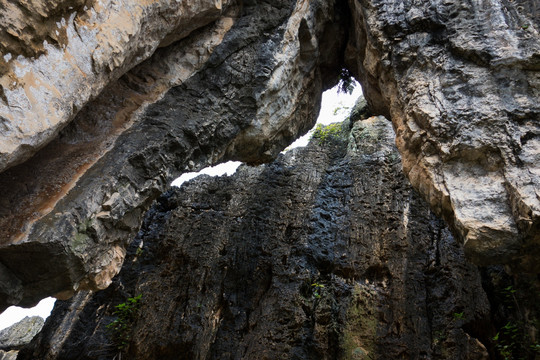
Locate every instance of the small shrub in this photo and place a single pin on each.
(317, 290)
(513, 340)
(329, 133)
(346, 82)
(507, 339)
(121, 327)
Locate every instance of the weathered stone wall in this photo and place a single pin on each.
(327, 253)
(241, 88)
(461, 82)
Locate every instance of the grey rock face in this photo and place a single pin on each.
(21, 333)
(13, 338)
(242, 88)
(8, 355)
(461, 82)
(326, 253)
(57, 55)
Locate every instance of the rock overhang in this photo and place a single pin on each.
(465, 116)
(189, 103)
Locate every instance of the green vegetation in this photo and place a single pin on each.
(506, 340)
(458, 316)
(513, 341)
(346, 82)
(317, 290)
(339, 109)
(329, 133)
(121, 327)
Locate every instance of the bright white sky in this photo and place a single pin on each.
(15, 314)
(335, 107)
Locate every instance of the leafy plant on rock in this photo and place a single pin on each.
(317, 290)
(126, 313)
(328, 133)
(513, 341)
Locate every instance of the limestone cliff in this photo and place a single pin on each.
(243, 87)
(327, 253)
(103, 103)
(461, 81)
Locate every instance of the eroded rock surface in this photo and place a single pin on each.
(57, 55)
(461, 83)
(21, 333)
(13, 338)
(242, 88)
(459, 80)
(326, 253)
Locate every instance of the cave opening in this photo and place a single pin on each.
(336, 105)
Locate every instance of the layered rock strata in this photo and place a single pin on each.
(461, 82)
(57, 55)
(326, 253)
(241, 88)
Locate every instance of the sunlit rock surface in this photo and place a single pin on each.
(461, 83)
(13, 338)
(57, 55)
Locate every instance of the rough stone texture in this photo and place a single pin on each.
(18, 335)
(461, 82)
(326, 253)
(242, 88)
(8, 355)
(57, 55)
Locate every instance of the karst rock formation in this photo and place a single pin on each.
(104, 102)
(327, 253)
